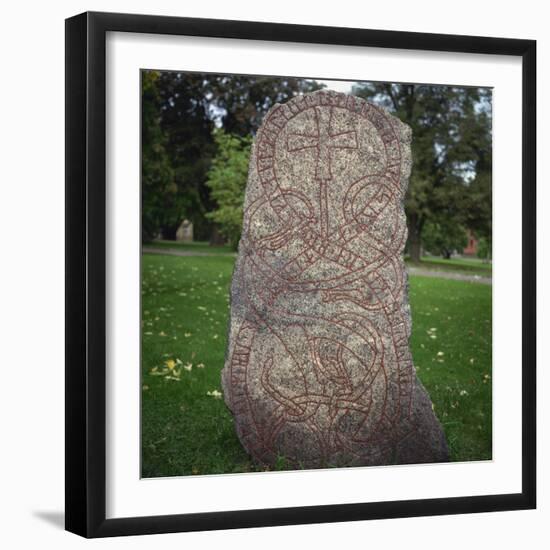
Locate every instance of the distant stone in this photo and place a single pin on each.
(184, 232)
(318, 370)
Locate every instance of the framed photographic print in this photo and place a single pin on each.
(300, 274)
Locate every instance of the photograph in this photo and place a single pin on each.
(316, 273)
(292, 293)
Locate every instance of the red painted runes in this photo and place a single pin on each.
(318, 370)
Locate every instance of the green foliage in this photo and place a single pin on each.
(484, 250)
(444, 237)
(184, 111)
(242, 101)
(451, 150)
(186, 427)
(159, 192)
(190, 106)
(451, 146)
(227, 182)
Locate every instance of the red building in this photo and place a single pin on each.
(471, 247)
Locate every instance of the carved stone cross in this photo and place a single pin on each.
(323, 140)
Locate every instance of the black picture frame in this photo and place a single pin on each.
(86, 274)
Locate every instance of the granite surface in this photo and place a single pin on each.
(318, 371)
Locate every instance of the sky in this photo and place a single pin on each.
(338, 85)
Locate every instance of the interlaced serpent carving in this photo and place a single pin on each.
(319, 369)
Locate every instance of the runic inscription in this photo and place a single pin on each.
(318, 369)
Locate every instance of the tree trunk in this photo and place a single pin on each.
(216, 238)
(414, 238)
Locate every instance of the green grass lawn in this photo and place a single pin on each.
(468, 266)
(195, 246)
(186, 427)
(451, 344)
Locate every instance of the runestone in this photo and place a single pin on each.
(318, 370)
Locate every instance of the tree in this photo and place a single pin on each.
(242, 101)
(227, 179)
(158, 186)
(444, 237)
(484, 251)
(186, 122)
(191, 106)
(451, 149)
(478, 214)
